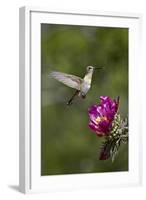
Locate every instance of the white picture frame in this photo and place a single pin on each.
(30, 177)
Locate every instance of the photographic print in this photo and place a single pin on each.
(80, 89)
(84, 99)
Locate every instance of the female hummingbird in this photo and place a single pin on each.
(82, 85)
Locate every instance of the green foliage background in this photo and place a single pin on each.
(67, 144)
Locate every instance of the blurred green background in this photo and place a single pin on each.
(67, 144)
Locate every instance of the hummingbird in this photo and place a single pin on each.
(81, 85)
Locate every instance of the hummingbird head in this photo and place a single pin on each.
(90, 69)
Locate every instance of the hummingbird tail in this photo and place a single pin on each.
(71, 99)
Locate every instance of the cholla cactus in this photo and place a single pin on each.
(117, 136)
(105, 121)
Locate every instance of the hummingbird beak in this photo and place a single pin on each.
(98, 68)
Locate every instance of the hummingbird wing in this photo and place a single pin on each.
(67, 79)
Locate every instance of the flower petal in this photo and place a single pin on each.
(92, 126)
(93, 110)
(102, 115)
